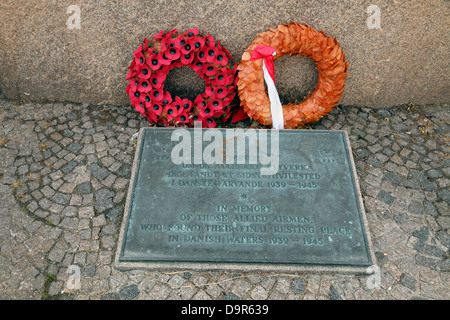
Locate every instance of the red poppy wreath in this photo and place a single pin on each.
(152, 63)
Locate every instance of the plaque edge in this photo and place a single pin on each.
(242, 267)
(364, 220)
(126, 213)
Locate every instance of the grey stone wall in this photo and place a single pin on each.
(41, 59)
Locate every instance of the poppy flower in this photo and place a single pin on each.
(221, 48)
(220, 58)
(157, 80)
(186, 105)
(200, 102)
(223, 78)
(170, 111)
(172, 53)
(177, 103)
(191, 32)
(167, 98)
(210, 70)
(164, 59)
(151, 52)
(144, 86)
(159, 36)
(209, 40)
(164, 44)
(130, 91)
(197, 67)
(187, 48)
(157, 95)
(215, 104)
(209, 123)
(154, 62)
(140, 108)
(221, 92)
(197, 43)
(179, 42)
(134, 83)
(156, 108)
(137, 96)
(211, 54)
(139, 59)
(202, 54)
(169, 43)
(187, 58)
(182, 118)
(227, 53)
(145, 73)
(209, 91)
(142, 96)
(133, 92)
(206, 112)
(147, 101)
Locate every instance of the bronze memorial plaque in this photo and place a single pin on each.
(291, 201)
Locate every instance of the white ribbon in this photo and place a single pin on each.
(275, 104)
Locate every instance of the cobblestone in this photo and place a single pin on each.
(65, 171)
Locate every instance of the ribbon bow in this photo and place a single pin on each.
(267, 53)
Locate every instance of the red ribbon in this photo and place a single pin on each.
(265, 52)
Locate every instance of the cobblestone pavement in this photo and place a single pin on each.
(64, 175)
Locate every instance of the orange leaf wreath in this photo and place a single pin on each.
(294, 39)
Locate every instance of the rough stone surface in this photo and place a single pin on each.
(404, 61)
(129, 293)
(51, 221)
